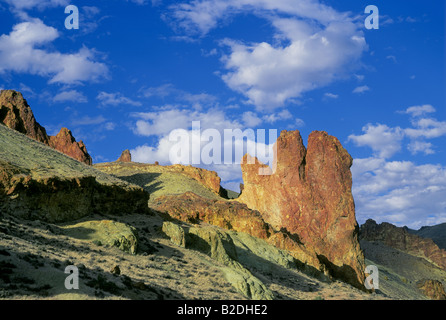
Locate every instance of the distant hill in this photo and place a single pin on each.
(437, 233)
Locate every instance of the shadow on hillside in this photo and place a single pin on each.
(145, 180)
(48, 279)
(30, 272)
(272, 273)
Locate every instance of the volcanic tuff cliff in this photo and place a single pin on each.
(16, 114)
(309, 195)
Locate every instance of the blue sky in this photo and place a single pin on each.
(136, 70)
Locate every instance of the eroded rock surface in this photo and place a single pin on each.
(126, 156)
(432, 289)
(402, 239)
(16, 114)
(309, 195)
(37, 182)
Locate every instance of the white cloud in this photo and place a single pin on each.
(416, 111)
(30, 4)
(361, 89)
(169, 90)
(21, 52)
(87, 120)
(250, 119)
(386, 141)
(383, 140)
(331, 95)
(282, 115)
(70, 95)
(400, 192)
(163, 122)
(115, 99)
(426, 128)
(317, 45)
(420, 146)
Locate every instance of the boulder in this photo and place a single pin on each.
(175, 233)
(106, 233)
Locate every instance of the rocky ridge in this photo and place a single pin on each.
(37, 182)
(402, 239)
(16, 114)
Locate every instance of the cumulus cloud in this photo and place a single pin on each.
(70, 95)
(221, 141)
(163, 122)
(361, 89)
(383, 140)
(21, 52)
(399, 192)
(115, 99)
(331, 95)
(417, 111)
(427, 128)
(316, 46)
(386, 141)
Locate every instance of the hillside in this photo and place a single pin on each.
(144, 231)
(437, 233)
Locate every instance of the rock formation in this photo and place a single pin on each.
(125, 156)
(401, 239)
(309, 195)
(65, 143)
(437, 233)
(208, 178)
(105, 233)
(220, 247)
(16, 114)
(432, 289)
(232, 215)
(37, 182)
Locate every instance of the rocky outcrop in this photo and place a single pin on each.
(309, 195)
(16, 114)
(59, 199)
(37, 182)
(208, 178)
(401, 239)
(65, 143)
(125, 156)
(205, 178)
(232, 215)
(437, 233)
(433, 289)
(220, 247)
(105, 233)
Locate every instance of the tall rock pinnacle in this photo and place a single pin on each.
(310, 196)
